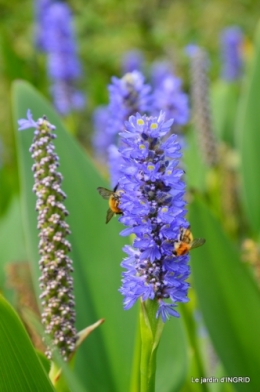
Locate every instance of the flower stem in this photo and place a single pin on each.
(151, 330)
(198, 369)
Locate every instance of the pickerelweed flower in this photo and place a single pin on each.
(231, 45)
(56, 283)
(63, 64)
(127, 96)
(153, 208)
(169, 97)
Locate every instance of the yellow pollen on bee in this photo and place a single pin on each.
(140, 121)
(154, 126)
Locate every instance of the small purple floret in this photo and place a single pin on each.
(28, 122)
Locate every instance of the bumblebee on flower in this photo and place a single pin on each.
(154, 210)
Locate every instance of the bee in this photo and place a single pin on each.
(113, 198)
(186, 242)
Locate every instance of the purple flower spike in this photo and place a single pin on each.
(128, 96)
(153, 208)
(232, 63)
(56, 38)
(169, 97)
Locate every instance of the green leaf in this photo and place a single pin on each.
(20, 367)
(248, 139)
(46, 363)
(8, 183)
(68, 381)
(11, 232)
(11, 228)
(172, 357)
(228, 297)
(196, 175)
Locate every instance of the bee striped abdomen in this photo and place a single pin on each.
(114, 204)
(181, 248)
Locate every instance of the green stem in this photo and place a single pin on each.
(151, 330)
(192, 336)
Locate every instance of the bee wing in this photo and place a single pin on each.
(115, 188)
(110, 215)
(105, 193)
(197, 242)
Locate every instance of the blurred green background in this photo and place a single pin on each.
(105, 31)
(217, 334)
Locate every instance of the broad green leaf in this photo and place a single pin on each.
(228, 297)
(46, 363)
(96, 253)
(172, 357)
(12, 244)
(11, 232)
(248, 139)
(68, 381)
(8, 184)
(197, 170)
(20, 367)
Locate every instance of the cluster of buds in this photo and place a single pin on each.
(201, 105)
(56, 283)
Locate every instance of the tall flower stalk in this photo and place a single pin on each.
(200, 100)
(154, 210)
(169, 97)
(153, 207)
(231, 50)
(127, 95)
(56, 283)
